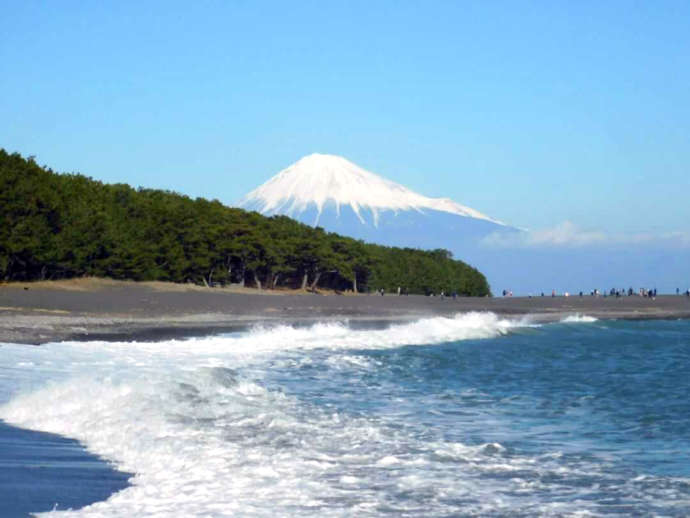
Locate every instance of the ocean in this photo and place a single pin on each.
(475, 415)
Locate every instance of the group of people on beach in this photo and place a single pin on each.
(613, 292)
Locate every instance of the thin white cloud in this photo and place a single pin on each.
(569, 235)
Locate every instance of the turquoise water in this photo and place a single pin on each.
(471, 416)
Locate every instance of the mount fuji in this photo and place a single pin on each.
(332, 192)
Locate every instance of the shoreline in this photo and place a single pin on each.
(33, 313)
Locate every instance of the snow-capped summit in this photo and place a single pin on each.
(318, 181)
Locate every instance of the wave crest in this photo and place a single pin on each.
(579, 319)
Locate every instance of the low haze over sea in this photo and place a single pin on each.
(468, 416)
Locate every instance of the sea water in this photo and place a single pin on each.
(468, 416)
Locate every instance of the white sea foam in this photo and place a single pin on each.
(203, 436)
(263, 341)
(206, 433)
(578, 319)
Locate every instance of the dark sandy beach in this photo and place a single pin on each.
(35, 314)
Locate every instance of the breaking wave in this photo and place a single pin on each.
(209, 426)
(579, 319)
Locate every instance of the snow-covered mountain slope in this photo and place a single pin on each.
(320, 183)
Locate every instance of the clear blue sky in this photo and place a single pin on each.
(535, 113)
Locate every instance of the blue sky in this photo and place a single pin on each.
(535, 113)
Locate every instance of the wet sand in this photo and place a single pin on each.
(40, 313)
(40, 472)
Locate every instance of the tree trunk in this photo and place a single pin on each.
(304, 281)
(316, 280)
(354, 282)
(210, 277)
(257, 281)
(275, 280)
(205, 283)
(244, 272)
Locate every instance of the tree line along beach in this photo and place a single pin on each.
(61, 226)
